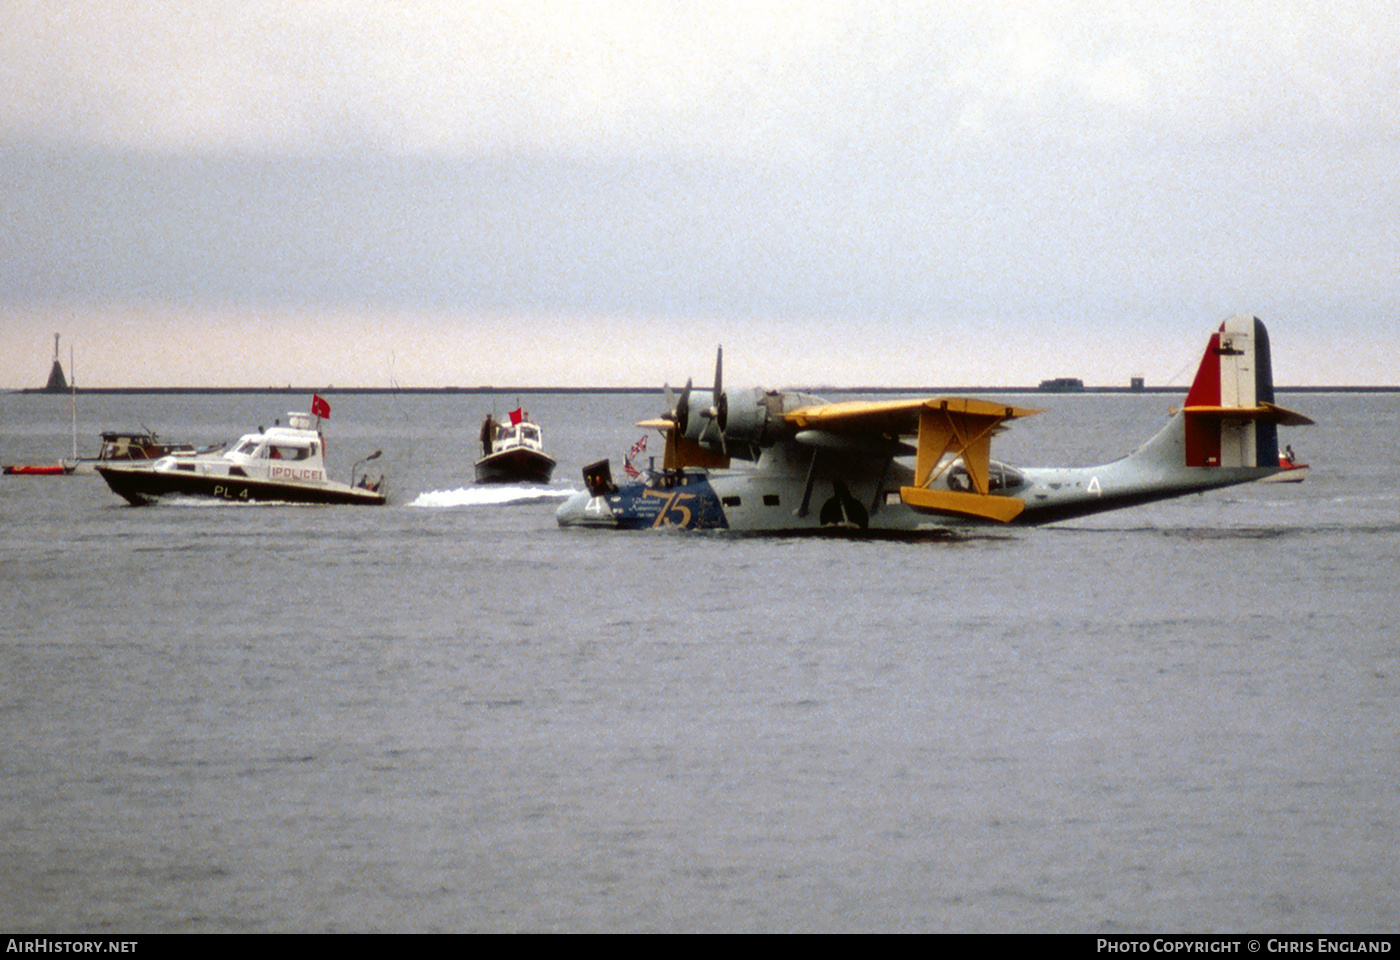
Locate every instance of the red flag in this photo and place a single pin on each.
(516, 416)
(319, 407)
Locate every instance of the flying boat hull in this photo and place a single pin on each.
(755, 502)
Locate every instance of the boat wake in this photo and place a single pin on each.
(488, 496)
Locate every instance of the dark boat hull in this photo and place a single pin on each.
(140, 487)
(515, 466)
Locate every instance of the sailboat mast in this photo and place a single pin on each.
(73, 404)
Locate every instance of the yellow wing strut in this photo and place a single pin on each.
(960, 429)
(948, 428)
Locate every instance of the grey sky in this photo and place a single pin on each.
(922, 193)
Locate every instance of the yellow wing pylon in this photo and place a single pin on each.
(949, 429)
(959, 429)
(682, 452)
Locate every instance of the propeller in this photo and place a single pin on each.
(682, 415)
(674, 422)
(717, 414)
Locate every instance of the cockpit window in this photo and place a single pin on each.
(999, 477)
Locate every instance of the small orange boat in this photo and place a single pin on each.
(38, 470)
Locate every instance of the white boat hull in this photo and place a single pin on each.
(140, 485)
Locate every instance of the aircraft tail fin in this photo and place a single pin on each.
(1230, 418)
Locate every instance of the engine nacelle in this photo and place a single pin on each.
(752, 419)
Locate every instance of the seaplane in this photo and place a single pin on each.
(924, 465)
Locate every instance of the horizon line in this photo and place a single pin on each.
(817, 389)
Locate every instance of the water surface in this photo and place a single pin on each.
(449, 714)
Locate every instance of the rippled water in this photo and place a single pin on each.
(449, 714)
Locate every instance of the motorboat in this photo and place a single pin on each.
(278, 464)
(132, 447)
(138, 447)
(513, 452)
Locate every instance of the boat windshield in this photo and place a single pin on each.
(256, 447)
(285, 451)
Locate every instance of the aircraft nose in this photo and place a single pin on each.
(580, 510)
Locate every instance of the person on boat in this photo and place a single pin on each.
(1288, 454)
(488, 434)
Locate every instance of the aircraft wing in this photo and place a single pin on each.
(895, 418)
(948, 429)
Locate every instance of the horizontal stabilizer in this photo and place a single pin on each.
(1266, 412)
(1002, 509)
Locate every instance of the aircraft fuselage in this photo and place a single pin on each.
(764, 501)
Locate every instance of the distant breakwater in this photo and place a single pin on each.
(819, 390)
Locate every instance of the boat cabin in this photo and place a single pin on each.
(524, 434)
(276, 451)
(293, 454)
(267, 447)
(138, 446)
